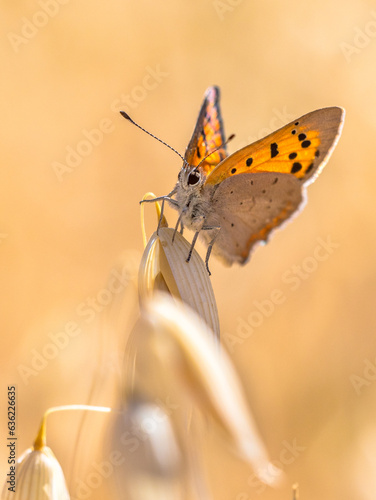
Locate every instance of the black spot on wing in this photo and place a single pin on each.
(296, 167)
(249, 162)
(306, 144)
(233, 170)
(292, 156)
(302, 137)
(273, 149)
(198, 152)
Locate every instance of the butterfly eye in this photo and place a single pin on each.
(193, 178)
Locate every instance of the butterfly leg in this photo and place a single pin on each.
(177, 225)
(159, 198)
(163, 199)
(192, 245)
(205, 228)
(161, 216)
(210, 246)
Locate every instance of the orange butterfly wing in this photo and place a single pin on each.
(300, 148)
(258, 188)
(208, 134)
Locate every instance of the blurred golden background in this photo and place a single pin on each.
(73, 172)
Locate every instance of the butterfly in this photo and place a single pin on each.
(234, 202)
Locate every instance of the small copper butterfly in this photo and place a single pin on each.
(235, 202)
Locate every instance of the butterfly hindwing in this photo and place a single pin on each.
(247, 208)
(208, 134)
(300, 148)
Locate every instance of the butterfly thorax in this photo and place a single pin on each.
(192, 204)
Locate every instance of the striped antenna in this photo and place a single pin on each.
(127, 117)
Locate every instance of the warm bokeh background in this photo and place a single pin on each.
(62, 238)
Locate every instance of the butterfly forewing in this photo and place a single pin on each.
(300, 148)
(208, 134)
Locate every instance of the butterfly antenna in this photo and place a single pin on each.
(216, 149)
(127, 117)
